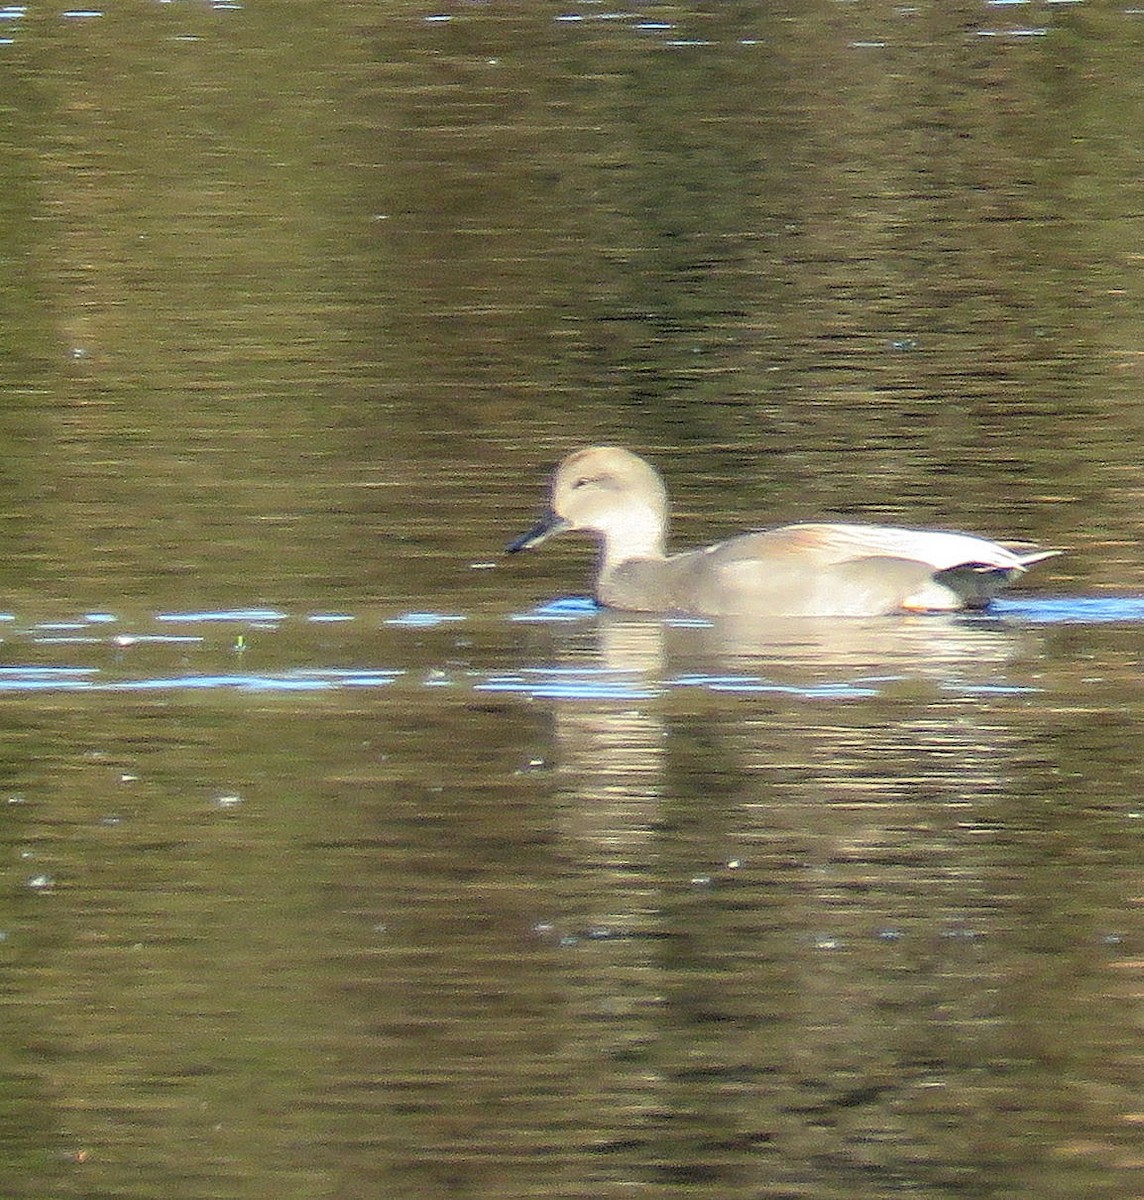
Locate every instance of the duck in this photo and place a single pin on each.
(811, 569)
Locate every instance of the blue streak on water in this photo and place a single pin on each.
(160, 639)
(579, 683)
(1048, 610)
(841, 689)
(290, 681)
(991, 689)
(14, 679)
(1042, 610)
(1070, 610)
(424, 620)
(818, 691)
(568, 608)
(571, 683)
(237, 614)
(50, 671)
(707, 680)
(244, 683)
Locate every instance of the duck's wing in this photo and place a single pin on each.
(845, 570)
(825, 542)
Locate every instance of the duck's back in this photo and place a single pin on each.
(816, 570)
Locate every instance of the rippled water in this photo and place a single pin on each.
(564, 902)
(341, 856)
(616, 655)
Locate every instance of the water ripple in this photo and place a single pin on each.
(1069, 610)
(424, 620)
(90, 679)
(568, 608)
(1037, 610)
(586, 683)
(631, 671)
(255, 615)
(572, 683)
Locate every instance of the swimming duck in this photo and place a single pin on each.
(816, 569)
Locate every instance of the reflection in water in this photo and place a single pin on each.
(843, 854)
(841, 659)
(615, 747)
(611, 655)
(637, 907)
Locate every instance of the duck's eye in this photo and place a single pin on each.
(601, 480)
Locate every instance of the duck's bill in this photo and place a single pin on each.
(549, 524)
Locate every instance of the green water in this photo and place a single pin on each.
(298, 305)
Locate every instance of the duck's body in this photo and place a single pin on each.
(811, 570)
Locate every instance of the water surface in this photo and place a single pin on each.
(343, 857)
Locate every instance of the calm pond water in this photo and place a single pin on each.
(344, 857)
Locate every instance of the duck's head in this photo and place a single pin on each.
(611, 493)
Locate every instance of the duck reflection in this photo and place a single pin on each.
(821, 713)
(780, 871)
(620, 656)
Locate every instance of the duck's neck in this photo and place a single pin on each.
(638, 533)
